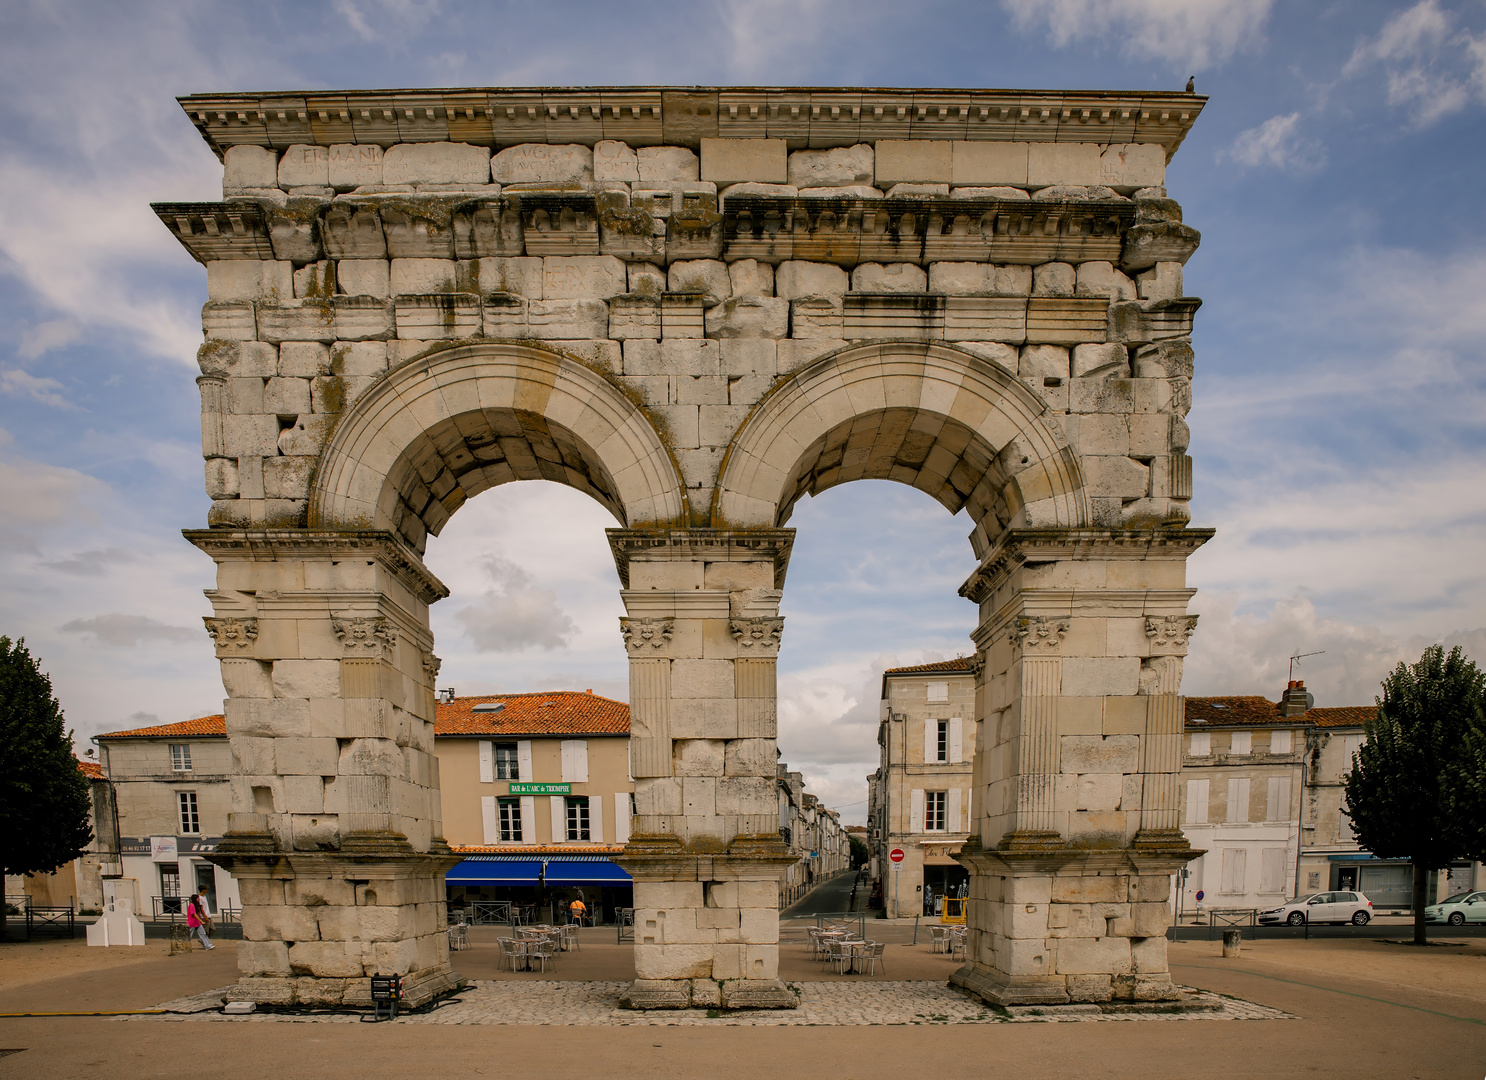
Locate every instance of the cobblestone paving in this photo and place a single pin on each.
(822, 1004)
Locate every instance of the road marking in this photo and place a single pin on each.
(1348, 993)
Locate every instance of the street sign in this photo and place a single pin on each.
(896, 854)
(541, 789)
(1200, 895)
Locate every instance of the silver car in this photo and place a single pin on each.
(1324, 907)
(1458, 910)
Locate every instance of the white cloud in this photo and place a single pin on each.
(755, 43)
(125, 631)
(22, 384)
(44, 337)
(354, 19)
(1186, 34)
(1277, 143)
(516, 614)
(34, 493)
(1427, 70)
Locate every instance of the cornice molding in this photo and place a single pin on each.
(688, 545)
(1019, 547)
(677, 116)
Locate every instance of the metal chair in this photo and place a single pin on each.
(957, 942)
(939, 939)
(871, 957)
(542, 952)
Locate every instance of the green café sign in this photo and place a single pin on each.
(541, 789)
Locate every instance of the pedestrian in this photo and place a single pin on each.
(196, 917)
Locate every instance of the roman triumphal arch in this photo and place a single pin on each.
(697, 306)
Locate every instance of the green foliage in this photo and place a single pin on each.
(1416, 789)
(44, 797)
(860, 856)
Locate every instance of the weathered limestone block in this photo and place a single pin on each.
(550, 320)
(841, 166)
(221, 478)
(540, 163)
(1051, 163)
(1003, 355)
(1043, 362)
(988, 163)
(286, 396)
(646, 279)
(582, 277)
(230, 320)
(917, 191)
(249, 279)
(743, 190)
(363, 318)
(1162, 282)
(732, 161)
(1102, 279)
(1053, 279)
(420, 276)
(749, 317)
(856, 192)
(1092, 360)
(436, 163)
(304, 166)
(364, 277)
(890, 278)
(296, 320)
(1169, 359)
(913, 162)
(1129, 166)
(519, 276)
(1098, 791)
(1164, 241)
(707, 277)
(429, 317)
(1013, 281)
(751, 278)
(961, 278)
(1009, 193)
(615, 161)
(668, 164)
(795, 279)
(354, 165)
(248, 167)
(315, 280)
(1093, 676)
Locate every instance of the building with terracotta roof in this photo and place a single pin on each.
(536, 792)
(77, 884)
(920, 799)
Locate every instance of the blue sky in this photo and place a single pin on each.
(1338, 428)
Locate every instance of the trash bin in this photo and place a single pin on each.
(1232, 938)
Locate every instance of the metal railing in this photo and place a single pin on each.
(171, 909)
(50, 919)
(845, 920)
(1223, 918)
(624, 921)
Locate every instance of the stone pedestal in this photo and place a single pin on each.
(1081, 637)
(334, 834)
(706, 855)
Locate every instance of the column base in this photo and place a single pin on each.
(652, 994)
(305, 991)
(997, 988)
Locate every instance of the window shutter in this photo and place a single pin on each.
(580, 760)
(1238, 799)
(1272, 870)
(528, 818)
(487, 762)
(931, 740)
(1234, 870)
(916, 810)
(952, 821)
(621, 817)
(523, 760)
(566, 748)
(559, 818)
(596, 818)
(956, 738)
(1279, 742)
(1196, 802)
(487, 818)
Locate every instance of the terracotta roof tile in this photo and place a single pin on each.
(556, 712)
(202, 727)
(93, 770)
(1238, 711)
(1342, 716)
(959, 663)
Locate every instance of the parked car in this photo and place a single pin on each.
(1323, 907)
(1459, 909)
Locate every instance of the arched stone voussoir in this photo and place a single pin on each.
(485, 412)
(923, 413)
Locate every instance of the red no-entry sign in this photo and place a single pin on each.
(896, 854)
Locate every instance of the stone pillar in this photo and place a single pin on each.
(702, 633)
(1081, 632)
(334, 834)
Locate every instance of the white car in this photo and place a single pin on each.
(1459, 909)
(1324, 907)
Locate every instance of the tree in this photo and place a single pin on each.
(1415, 790)
(860, 856)
(44, 797)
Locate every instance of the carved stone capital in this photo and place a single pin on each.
(759, 634)
(642, 636)
(1168, 634)
(1038, 634)
(233, 637)
(431, 665)
(373, 637)
(977, 666)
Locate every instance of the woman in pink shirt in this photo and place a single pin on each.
(197, 918)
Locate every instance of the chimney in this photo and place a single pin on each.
(1296, 700)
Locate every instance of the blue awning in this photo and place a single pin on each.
(494, 872)
(586, 873)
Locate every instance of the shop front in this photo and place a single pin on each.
(538, 887)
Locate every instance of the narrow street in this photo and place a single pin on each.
(829, 898)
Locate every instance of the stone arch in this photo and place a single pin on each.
(941, 419)
(446, 427)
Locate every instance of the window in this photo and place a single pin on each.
(1238, 799)
(937, 691)
(1197, 802)
(1200, 745)
(1272, 870)
(941, 740)
(190, 819)
(632, 811)
(180, 757)
(1279, 742)
(578, 817)
(1242, 743)
(1235, 870)
(935, 810)
(510, 818)
(506, 766)
(170, 887)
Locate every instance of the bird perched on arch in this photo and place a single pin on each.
(1191, 84)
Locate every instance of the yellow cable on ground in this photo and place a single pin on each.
(120, 1012)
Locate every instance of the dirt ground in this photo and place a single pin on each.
(1363, 1010)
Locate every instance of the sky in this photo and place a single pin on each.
(1337, 429)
